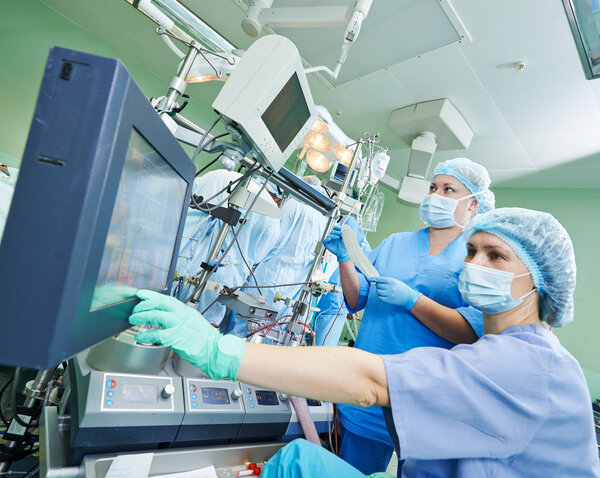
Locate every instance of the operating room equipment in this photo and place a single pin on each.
(259, 13)
(85, 178)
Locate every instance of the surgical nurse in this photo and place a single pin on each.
(513, 404)
(415, 302)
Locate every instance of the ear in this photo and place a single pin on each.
(473, 206)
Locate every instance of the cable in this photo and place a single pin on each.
(201, 142)
(247, 265)
(237, 183)
(207, 166)
(270, 286)
(243, 221)
(13, 400)
(32, 471)
(2, 417)
(333, 322)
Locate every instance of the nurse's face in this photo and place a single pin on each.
(451, 187)
(486, 250)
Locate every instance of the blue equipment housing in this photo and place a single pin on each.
(98, 212)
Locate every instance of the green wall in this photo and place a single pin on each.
(28, 29)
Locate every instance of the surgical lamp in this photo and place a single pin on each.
(324, 145)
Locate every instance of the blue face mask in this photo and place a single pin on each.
(488, 289)
(438, 211)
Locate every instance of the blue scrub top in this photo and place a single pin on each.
(390, 329)
(512, 405)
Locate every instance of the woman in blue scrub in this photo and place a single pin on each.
(415, 302)
(513, 404)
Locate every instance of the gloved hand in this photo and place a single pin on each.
(394, 291)
(189, 334)
(335, 244)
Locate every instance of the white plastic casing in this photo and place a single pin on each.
(258, 78)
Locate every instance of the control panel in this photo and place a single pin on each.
(267, 413)
(128, 392)
(213, 411)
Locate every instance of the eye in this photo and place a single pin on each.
(471, 251)
(432, 188)
(449, 189)
(495, 256)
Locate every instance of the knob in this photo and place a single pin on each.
(236, 394)
(167, 391)
(283, 397)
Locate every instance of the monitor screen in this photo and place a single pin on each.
(287, 113)
(97, 213)
(143, 227)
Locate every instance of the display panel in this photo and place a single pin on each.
(216, 396)
(139, 393)
(287, 113)
(313, 403)
(143, 228)
(266, 397)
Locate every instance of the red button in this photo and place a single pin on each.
(113, 384)
(194, 388)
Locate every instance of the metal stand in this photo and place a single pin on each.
(29, 412)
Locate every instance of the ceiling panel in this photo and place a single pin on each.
(551, 94)
(550, 150)
(447, 74)
(485, 18)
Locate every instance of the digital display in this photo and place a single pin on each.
(287, 113)
(217, 396)
(266, 397)
(139, 393)
(143, 228)
(313, 403)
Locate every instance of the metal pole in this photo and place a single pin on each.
(37, 390)
(293, 326)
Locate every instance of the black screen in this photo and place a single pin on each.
(287, 113)
(266, 397)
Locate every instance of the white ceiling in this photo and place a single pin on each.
(539, 127)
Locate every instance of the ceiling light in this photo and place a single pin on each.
(342, 154)
(320, 127)
(317, 141)
(317, 162)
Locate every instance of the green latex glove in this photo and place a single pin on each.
(381, 474)
(189, 334)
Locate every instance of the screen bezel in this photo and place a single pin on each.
(83, 119)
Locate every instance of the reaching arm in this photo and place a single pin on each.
(331, 374)
(444, 321)
(350, 283)
(337, 374)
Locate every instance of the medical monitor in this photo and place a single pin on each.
(97, 213)
(268, 100)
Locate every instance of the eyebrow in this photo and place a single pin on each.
(443, 184)
(492, 247)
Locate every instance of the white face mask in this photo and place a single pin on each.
(438, 211)
(488, 289)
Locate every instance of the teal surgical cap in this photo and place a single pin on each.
(545, 248)
(475, 178)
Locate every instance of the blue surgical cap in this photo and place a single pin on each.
(545, 248)
(475, 178)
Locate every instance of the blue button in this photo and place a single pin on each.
(110, 393)
(250, 398)
(252, 405)
(193, 396)
(109, 403)
(194, 405)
